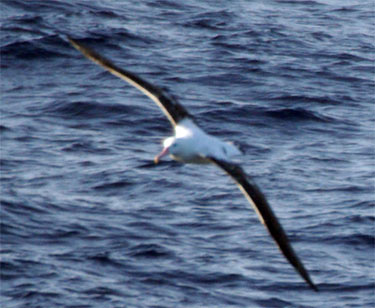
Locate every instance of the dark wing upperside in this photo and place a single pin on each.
(266, 215)
(173, 110)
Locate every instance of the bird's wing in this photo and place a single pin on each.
(172, 109)
(266, 215)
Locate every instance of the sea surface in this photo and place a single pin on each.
(87, 219)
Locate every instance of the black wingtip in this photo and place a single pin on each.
(70, 39)
(313, 286)
(266, 216)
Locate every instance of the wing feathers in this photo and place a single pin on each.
(266, 215)
(173, 110)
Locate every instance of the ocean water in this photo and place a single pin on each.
(88, 221)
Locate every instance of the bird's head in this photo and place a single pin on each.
(171, 146)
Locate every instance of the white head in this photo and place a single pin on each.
(171, 146)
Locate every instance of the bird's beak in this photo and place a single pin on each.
(161, 154)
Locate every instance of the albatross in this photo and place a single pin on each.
(190, 144)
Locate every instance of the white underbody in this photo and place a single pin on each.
(193, 145)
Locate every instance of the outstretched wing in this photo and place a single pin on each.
(266, 215)
(172, 109)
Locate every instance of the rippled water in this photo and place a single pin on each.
(88, 221)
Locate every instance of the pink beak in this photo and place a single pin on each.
(162, 153)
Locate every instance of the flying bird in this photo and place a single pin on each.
(190, 144)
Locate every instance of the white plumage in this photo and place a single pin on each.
(191, 144)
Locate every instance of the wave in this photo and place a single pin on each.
(298, 114)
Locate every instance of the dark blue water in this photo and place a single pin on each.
(86, 221)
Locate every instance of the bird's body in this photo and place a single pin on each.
(190, 144)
